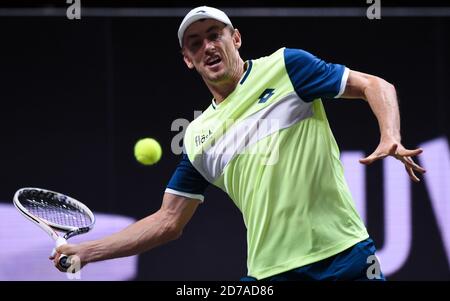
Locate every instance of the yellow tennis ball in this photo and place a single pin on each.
(147, 151)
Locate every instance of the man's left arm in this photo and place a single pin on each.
(382, 99)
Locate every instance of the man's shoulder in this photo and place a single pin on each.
(286, 51)
(276, 54)
(283, 54)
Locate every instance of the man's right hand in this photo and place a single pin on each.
(74, 254)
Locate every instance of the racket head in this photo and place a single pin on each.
(58, 211)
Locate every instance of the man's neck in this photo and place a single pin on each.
(221, 90)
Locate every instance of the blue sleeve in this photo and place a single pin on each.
(187, 181)
(313, 78)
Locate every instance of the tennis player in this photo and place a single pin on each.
(266, 142)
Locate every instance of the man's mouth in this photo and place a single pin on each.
(212, 61)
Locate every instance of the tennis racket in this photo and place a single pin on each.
(55, 212)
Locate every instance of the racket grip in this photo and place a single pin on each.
(63, 259)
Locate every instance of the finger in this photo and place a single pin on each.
(65, 249)
(56, 258)
(410, 162)
(56, 263)
(367, 160)
(410, 152)
(411, 174)
(61, 269)
(373, 157)
(61, 249)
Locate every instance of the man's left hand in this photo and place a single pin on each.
(399, 152)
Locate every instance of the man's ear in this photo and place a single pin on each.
(188, 61)
(237, 39)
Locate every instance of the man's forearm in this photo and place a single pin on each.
(139, 237)
(382, 99)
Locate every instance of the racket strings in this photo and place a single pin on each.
(52, 208)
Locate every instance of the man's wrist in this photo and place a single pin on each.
(390, 139)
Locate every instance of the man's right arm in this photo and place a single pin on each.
(161, 227)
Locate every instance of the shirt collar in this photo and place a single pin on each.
(247, 68)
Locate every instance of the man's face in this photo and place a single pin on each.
(211, 48)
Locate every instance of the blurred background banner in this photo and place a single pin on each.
(76, 94)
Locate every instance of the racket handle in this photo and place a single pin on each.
(64, 262)
(63, 259)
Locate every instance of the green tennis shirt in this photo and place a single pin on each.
(269, 146)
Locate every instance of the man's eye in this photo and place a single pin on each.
(213, 36)
(195, 44)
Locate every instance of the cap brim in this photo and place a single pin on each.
(195, 18)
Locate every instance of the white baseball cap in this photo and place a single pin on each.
(198, 13)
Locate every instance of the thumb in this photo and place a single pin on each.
(66, 249)
(368, 160)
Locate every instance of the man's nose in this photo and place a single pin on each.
(209, 45)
